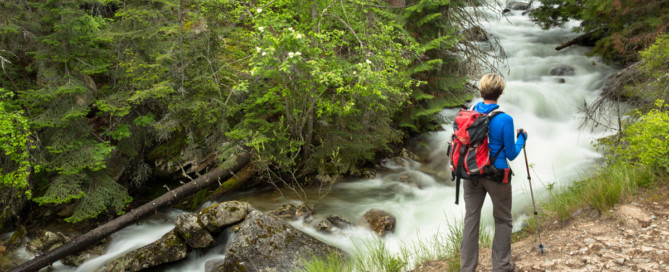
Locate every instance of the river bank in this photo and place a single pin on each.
(632, 236)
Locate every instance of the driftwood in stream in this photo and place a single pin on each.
(169, 198)
(577, 40)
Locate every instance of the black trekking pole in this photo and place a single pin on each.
(541, 246)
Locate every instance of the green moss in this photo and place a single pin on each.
(18, 235)
(169, 149)
(195, 201)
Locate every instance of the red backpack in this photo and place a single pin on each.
(468, 149)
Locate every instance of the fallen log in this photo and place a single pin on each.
(171, 197)
(576, 40)
(240, 177)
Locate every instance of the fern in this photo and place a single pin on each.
(63, 189)
(429, 18)
(102, 194)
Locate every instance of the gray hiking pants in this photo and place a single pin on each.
(501, 246)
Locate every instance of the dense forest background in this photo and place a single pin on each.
(99, 96)
(100, 99)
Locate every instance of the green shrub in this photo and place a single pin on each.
(645, 142)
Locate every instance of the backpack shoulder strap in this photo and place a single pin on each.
(495, 112)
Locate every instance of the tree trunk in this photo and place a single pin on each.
(169, 198)
(397, 3)
(578, 39)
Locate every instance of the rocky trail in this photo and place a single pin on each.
(630, 237)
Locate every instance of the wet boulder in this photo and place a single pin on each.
(267, 243)
(339, 221)
(381, 222)
(324, 226)
(517, 5)
(87, 254)
(216, 217)
(193, 232)
(408, 154)
(212, 265)
(563, 70)
(407, 179)
(291, 212)
(169, 248)
(46, 241)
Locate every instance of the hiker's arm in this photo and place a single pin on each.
(510, 140)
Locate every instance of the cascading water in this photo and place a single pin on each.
(546, 106)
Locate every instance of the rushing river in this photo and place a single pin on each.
(559, 152)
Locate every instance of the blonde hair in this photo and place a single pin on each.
(491, 86)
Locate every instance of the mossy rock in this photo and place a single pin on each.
(267, 243)
(189, 227)
(216, 217)
(169, 248)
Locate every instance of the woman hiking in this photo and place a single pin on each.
(501, 141)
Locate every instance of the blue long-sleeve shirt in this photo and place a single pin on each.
(501, 133)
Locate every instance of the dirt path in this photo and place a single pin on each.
(631, 237)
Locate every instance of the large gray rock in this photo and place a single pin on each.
(193, 232)
(267, 243)
(169, 248)
(216, 217)
(379, 221)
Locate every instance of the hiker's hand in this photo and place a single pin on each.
(522, 132)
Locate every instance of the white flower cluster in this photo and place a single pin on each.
(291, 54)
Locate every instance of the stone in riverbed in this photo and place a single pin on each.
(291, 212)
(216, 217)
(324, 226)
(193, 232)
(339, 221)
(47, 241)
(517, 5)
(563, 70)
(267, 243)
(381, 222)
(169, 248)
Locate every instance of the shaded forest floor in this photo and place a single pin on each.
(633, 236)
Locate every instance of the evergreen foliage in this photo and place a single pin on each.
(623, 26)
(102, 88)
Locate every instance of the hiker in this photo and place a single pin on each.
(502, 136)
